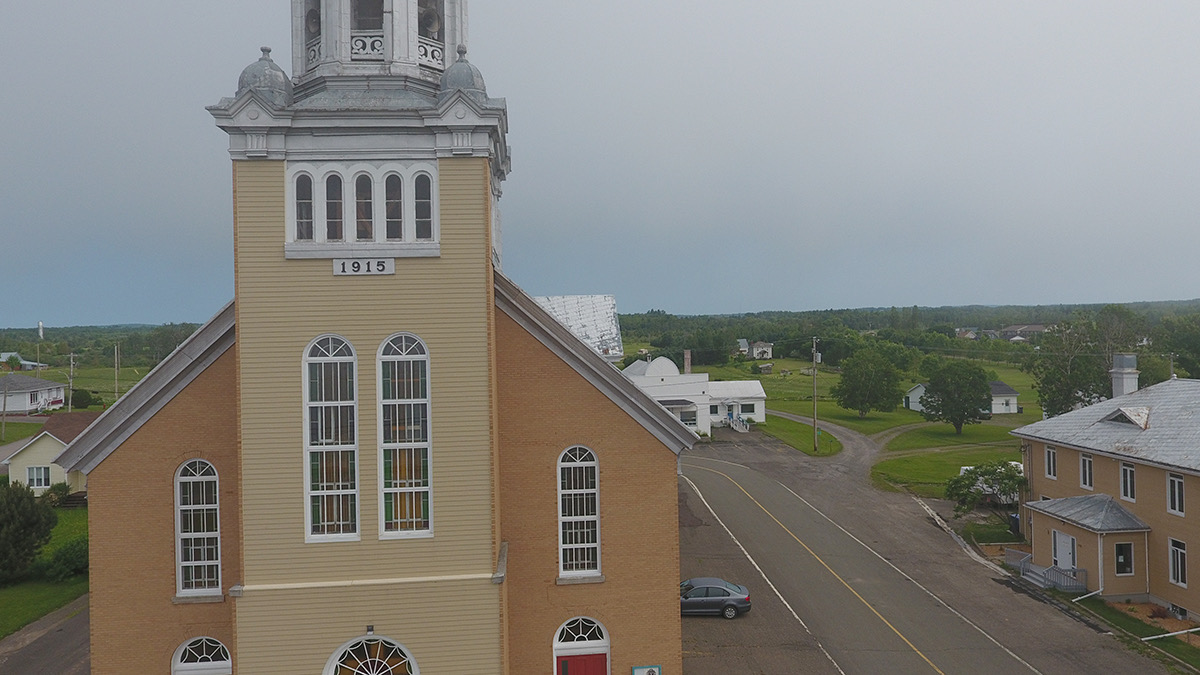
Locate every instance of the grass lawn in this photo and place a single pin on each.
(1135, 626)
(15, 431)
(28, 601)
(942, 435)
(829, 411)
(800, 436)
(99, 380)
(992, 531)
(925, 475)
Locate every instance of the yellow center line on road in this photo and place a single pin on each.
(825, 565)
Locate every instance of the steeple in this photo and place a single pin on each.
(399, 38)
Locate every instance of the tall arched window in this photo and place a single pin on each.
(581, 645)
(424, 203)
(333, 208)
(371, 656)
(579, 513)
(364, 209)
(394, 207)
(197, 529)
(304, 208)
(201, 656)
(331, 439)
(404, 414)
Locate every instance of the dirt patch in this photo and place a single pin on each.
(1156, 615)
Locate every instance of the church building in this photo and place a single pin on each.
(381, 457)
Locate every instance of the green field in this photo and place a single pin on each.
(941, 435)
(800, 436)
(15, 431)
(925, 474)
(28, 601)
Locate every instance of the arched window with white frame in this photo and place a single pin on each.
(404, 438)
(394, 207)
(424, 203)
(371, 655)
(201, 656)
(581, 645)
(364, 208)
(331, 439)
(197, 529)
(334, 216)
(579, 513)
(304, 207)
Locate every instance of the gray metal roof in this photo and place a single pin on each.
(591, 318)
(1159, 425)
(1095, 513)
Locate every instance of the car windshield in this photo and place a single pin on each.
(732, 587)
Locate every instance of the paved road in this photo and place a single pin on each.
(875, 584)
(56, 644)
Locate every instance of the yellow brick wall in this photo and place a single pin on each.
(135, 626)
(545, 407)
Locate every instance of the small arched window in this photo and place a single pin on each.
(404, 412)
(371, 656)
(331, 438)
(394, 202)
(198, 529)
(579, 513)
(581, 645)
(364, 209)
(201, 656)
(333, 208)
(424, 203)
(304, 208)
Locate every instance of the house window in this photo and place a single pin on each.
(34, 398)
(747, 408)
(714, 410)
(579, 513)
(1178, 561)
(404, 413)
(394, 207)
(1051, 462)
(197, 529)
(331, 442)
(38, 477)
(1175, 494)
(202, 656)
(581, 645)
(364, 216)
(304, 208)
(1085, 471)
(688, 417)
(371, 656)
(1128, 482)
(1123, 558)
(333, 208)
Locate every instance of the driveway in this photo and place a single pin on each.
(871, 582)
(57, 643)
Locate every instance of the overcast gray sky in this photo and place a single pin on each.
(698, 157)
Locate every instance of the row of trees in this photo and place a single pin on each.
(93, 345)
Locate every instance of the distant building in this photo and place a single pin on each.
(763, 350)
(1022, 331)
(22, 394)
(34, 462)
(1004, 398)
(25, 363)
(697, 402)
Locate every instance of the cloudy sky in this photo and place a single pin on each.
(697, 157)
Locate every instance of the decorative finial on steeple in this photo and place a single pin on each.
(266, 53)
(462, 51)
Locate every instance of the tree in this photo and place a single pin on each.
(869, 382)
(999, 480)
(958, 393)
(1068, 369)
(25, 525)
(14, 362)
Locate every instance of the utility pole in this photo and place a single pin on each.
(71, 384)
(116, 371)
(4, 409)
(815, 358)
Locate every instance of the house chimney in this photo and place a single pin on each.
(1124, 374)
(687, 362)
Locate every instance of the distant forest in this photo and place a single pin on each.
(1166, 331)
(140, 345)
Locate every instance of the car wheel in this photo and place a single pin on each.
(730, 612)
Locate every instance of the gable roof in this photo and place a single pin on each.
(16, 383)
(1159, 425)
(592, 318)
(1001, 389)
(63, 427)
(523, 309)
(1094, 513)
(147, 397)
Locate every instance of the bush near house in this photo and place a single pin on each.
(25, 526)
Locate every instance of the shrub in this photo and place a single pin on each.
(82, 398)
(56, 494)
(25, 525)
(70, 559)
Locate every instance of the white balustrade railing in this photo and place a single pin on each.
(431, 53)
(366, 45)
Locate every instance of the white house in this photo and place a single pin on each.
(34, 462)
(25, 363)
(1004, 398)
(22, 394)
(762, 350)
(698, 403)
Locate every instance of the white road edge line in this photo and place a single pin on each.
(892, 565)
(763, 574)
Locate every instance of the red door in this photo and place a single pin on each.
(584, 664)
